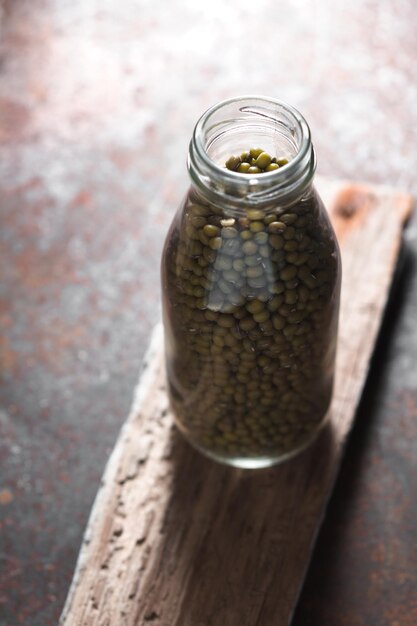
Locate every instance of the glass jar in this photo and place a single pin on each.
(251, 286)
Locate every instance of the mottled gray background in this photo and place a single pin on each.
(98, 99)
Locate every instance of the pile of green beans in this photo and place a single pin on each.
(254, 161)
(250, 319)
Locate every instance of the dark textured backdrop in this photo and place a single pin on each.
(98, 99)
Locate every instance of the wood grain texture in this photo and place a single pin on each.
(177, 540)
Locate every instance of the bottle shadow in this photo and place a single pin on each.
(335, 536)
(240, 545)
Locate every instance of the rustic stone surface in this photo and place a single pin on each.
(97, 99)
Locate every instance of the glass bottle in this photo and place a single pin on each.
(251, 287)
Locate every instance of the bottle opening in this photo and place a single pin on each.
(238, 124)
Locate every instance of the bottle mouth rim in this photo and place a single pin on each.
(252, 102)
(282, 186)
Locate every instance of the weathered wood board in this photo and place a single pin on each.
(175, 539)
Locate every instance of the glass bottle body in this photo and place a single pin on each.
(250, 307)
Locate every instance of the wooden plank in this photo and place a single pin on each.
(177, 540)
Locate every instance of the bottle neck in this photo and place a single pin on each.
(241, 123)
